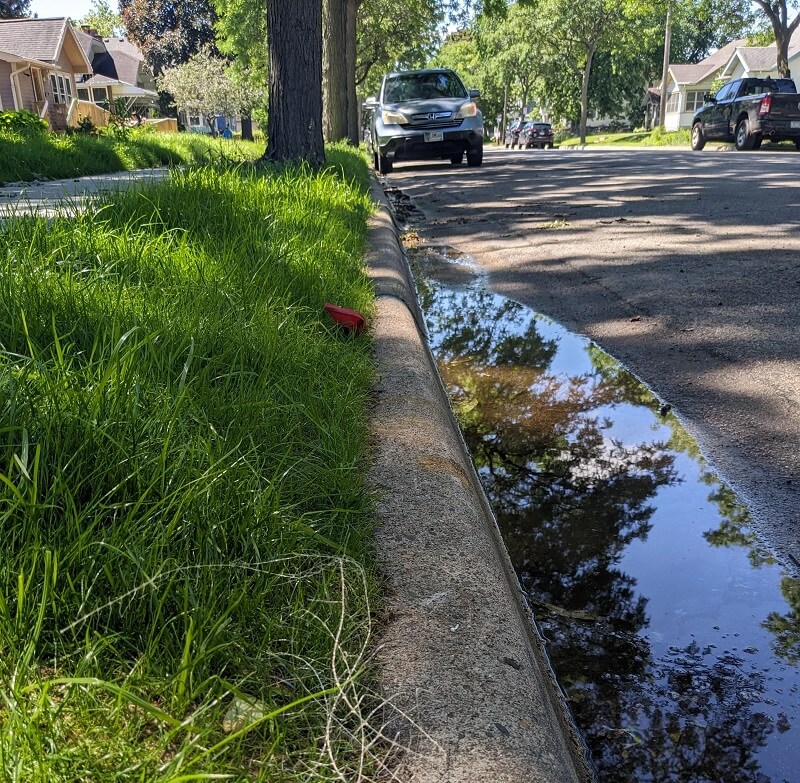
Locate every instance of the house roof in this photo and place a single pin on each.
(10, 57)
(114, 60)
(42, 39)
(694, 73)
(753, 58)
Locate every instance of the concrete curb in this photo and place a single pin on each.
(471, 696)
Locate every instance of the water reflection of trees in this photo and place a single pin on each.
(569, 500)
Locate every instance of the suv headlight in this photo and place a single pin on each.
(393, 118)
(467, 110)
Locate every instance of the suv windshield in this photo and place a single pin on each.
(422, 86)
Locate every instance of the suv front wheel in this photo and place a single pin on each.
(475, 156)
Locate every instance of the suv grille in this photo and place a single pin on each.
(422, 121)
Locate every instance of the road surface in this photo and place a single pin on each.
(684, 266)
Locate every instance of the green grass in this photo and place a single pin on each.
(183, 510)
(655, 138)
(57, 156)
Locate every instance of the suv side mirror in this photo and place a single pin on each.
(371, 102)
(709, 98)
(473, 94)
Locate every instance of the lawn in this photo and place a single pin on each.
(31, 155)
(655, 138)
(185, 561)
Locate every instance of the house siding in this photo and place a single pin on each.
(26, 91)
(6, 93)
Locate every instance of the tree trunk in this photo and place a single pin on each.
(782, 45)
(334, 69)
(294, 127)
(585, 92)
(353, 105)
(247, 128)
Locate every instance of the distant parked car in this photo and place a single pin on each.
(423, 115)
(512, 134)
(536, 134)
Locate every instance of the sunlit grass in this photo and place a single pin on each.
(184, 518)
(655, 138)
(57, 156)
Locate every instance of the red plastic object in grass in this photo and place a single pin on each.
(351, 320)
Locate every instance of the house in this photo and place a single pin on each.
(687, 83)
(60, 73)
(40, 61)
(119, 72)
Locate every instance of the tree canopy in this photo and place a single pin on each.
(104, 19)
(169, 31)
(14, 9)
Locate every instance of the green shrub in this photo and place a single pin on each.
(21, 122)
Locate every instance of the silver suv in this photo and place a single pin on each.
(423, 115)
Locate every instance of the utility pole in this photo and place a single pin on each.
(665, 68)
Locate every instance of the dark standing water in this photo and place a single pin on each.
(675, 637)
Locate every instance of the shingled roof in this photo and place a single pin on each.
(40, 39)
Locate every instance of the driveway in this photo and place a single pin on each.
(684, 266)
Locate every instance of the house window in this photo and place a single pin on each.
(194, 120)
(673, 103)
(99, 95)
(62, 88)
(83, 94)
(694, 100)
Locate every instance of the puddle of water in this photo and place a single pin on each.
(674, 635)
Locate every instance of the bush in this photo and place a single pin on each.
(21, 122)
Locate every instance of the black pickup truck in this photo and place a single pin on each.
(747, 111)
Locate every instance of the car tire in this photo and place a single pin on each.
(698, 137)
(797, 144)
(456, 160)
(744, 140)
(757, 142)
(382, 164)
(475, 156)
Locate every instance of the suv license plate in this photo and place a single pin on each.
(794, 124)
(433, 136)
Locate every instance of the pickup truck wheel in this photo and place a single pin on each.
(757, 142)
(744, 139)
(698, 137)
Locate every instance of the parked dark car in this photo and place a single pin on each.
(512, 134)
(747, 111)
(423, 115)
(536, 134)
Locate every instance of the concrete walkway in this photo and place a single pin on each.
(470, 696)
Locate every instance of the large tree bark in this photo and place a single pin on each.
(334, 69)
(353, 105)
(294, 127)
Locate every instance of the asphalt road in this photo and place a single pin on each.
(684, 266)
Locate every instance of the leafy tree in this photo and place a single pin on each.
(169, 32)
(701, 26)
(394, 33)
(104, 19)
(14, 9)
(208, 84)
(777, 12)
(294, 126)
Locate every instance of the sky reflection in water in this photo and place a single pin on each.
(674, 635)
